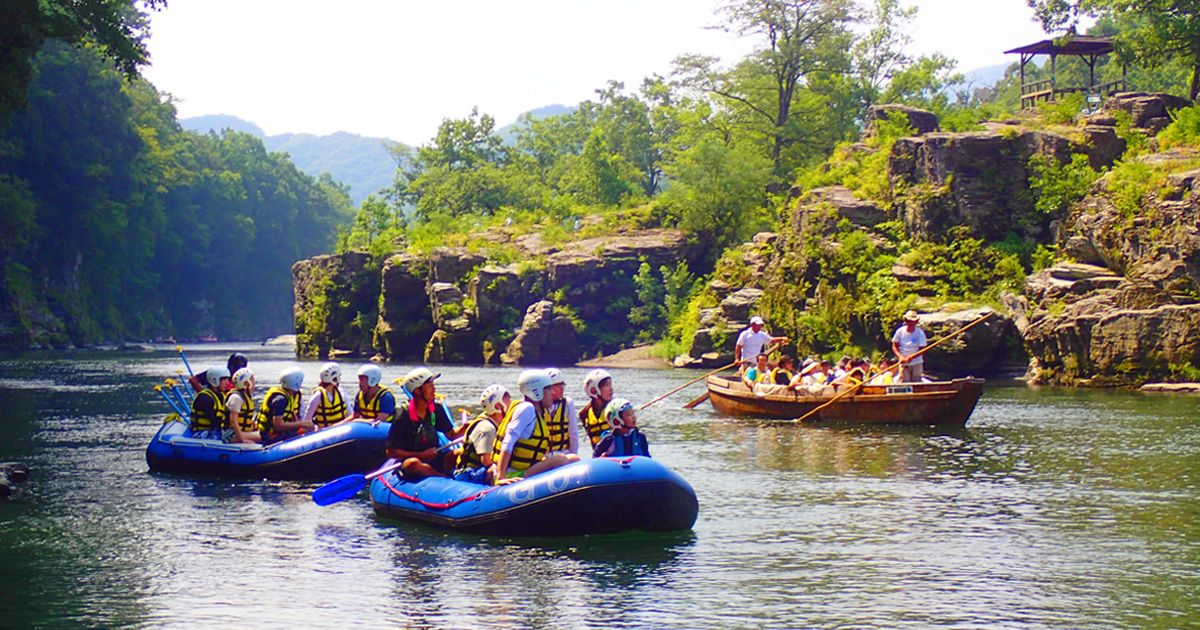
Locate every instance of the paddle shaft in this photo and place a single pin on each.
(910, 357)
(700, 378)
(185, 361)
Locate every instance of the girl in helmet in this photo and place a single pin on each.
(280, 411)
(209, 417)
(475, 458)
(598, 386)
(527, 443)
(327, 407)
(243, 415)
(375, 402)
(562, 412)
(624, 439)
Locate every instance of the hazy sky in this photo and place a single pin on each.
(396, 68)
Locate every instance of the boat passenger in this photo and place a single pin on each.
(563, 409)
(243, 414)
(413, 437)
(782, 374)
(209, 418)
(527, 436)
(885, 372)
(374, 402)
(751, 343)
(236, 361)
(624, 439)
(479, 437)
(279, 415)
(908, 340)
(327, 406)
(598, 386)
(758, 373)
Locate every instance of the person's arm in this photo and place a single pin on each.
(603, 446)
(483, 438)
(572, 432)
(310, 411)
(445, 423)
(277, 409)
(737, 349)
(519, 428)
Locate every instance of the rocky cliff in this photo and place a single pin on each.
(454, 305)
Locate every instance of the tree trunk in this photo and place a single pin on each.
(1195, 87)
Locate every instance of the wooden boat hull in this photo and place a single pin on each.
(947, 403)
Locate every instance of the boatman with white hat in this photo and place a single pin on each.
(751, 343)
(909, 340)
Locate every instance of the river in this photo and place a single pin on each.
(1053, 508)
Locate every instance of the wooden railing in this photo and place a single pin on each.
(1045, 90)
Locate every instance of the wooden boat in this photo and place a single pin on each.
(946, 403)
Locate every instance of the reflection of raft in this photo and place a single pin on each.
(947, 403)
(325, 454)
(596, 496)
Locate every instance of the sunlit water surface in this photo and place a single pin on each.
(1052, 508)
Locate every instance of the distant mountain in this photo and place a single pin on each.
(509, 132)
(362, 163)
(984, 77)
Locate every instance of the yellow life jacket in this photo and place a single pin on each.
(468, 457)
(595, 424)
(332, 408)
(774, 378)
(248, 416)
(528, 451)
(559, 427)
(290, 413)
(371, 407)
(208, 419)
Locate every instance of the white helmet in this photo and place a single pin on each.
(373, 374)
(614, 411)
(492, 399)
(591, 383)
(533, 384)
(331, 373)
(214, 375)
(556, 376)
(291, 378)
(242, 377)
(417, 377)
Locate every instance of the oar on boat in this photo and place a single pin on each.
(345, 487)
(910, 357)
(702, 397)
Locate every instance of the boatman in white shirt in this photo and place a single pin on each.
(751, 343)
(909, 340)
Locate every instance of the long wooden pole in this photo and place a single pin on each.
(910, 357)
(769, 350)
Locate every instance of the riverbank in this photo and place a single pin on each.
(643, 357)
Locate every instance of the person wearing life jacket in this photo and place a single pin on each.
(209, 418)
(624, 439)
(243, 414)
(279, 415)
(598, 386)
(236, 361)
(562, 411)
(375, 402)
(527, 436)
(782, 374)
(413, 436)
(327, 406)
(758, 373)
(479, 436)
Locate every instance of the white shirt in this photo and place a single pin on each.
(752, 343)
(314, 402)
(910, 342)
(520, 426)
(233, 404)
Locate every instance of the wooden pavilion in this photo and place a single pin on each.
(1086, 47)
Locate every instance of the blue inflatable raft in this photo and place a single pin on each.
(596, 496)
(346, 448)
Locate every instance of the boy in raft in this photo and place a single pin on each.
(563, 410)
(243, 415)
(280, 411)
(375, 402)
(413, 437)
(624, 439)
(209, 417)
(327, 407)
(598, 386)
(236, 361)
(527, 434)
(479, 438)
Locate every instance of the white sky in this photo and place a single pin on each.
(396, 68)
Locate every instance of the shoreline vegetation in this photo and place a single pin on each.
(825, 182)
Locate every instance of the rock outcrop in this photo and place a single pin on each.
(336, 306)
(545, 338)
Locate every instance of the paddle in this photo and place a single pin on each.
(910, 357)
(698, 400)
(183, 356)
(174, 407)
(343, 488)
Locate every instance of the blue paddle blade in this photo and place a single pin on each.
(339, 489)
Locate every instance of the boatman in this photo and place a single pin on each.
(751, 343)
(327, 407)
(209, 417)
(413, 437)
(908, 340)
(375, 402)
(280, 411)
(527, 436)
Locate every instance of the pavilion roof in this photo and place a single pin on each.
(1084, 45)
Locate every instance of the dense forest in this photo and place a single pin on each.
(120, 225)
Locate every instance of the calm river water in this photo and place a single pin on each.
(1053, 508)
